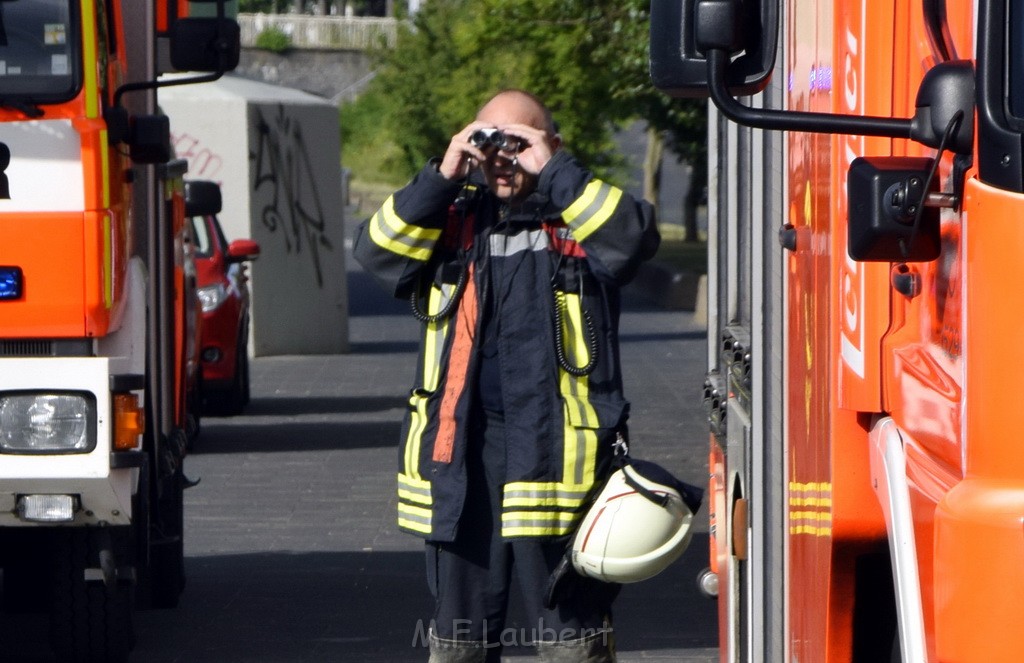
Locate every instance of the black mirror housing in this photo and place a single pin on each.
(202, 198)
(149, 139)
(682, 29)
(946, 92)
(885, 196)
(205, 44)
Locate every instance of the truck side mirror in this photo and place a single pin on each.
(683, 30)
(149, 139)
(890, 218)
(736, 40)
(205, 44)
(202, 198)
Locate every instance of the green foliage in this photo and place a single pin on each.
(588, 59)
(257, 6)
(274, 40)
(369, 152)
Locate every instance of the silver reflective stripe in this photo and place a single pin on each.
(590, 211)
(542, 497)
(414, 518)
(527, 240)
(416, 494)
(390, 232)
(528, 523)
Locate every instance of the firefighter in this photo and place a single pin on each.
(511, 254)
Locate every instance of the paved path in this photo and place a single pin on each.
(292, 552)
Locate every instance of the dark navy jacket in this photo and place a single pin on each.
(494, 286)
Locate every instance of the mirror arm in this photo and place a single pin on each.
(152, 85)
(826, 123)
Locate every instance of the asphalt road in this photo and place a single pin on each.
(292, 552)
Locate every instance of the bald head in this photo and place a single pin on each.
(517, 107)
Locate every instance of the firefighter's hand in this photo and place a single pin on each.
(538, 146)
(462, 156)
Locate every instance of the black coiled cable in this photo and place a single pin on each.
(592, 347)
(449, 307)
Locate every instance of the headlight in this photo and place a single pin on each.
(211, 296)
(47, 423)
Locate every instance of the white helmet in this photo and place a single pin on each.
(639, 524)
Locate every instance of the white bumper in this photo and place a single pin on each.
(103, 494)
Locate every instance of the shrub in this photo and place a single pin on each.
(273, 39)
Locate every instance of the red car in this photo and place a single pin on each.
(223, 289)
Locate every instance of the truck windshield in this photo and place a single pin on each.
(1016, 61)
(40, 59)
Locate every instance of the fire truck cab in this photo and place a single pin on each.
(867, 186)
(97, 311)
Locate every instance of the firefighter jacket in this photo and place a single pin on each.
(540, 280)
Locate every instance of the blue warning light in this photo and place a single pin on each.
(11, 282)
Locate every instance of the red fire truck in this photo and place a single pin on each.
(865, 210)
(97, 317)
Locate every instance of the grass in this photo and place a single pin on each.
(680, 254)
(367, 197)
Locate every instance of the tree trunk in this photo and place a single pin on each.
(652, 166)
(692, 199)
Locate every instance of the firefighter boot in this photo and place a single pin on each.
(456, 651)
(596, 648)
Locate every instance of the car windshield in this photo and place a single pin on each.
(40, 60)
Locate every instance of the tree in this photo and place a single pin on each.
(586, 58)
(258, 6)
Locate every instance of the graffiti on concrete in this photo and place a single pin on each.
(203, 162)
(285, 183)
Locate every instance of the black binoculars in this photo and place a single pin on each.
(483, 138)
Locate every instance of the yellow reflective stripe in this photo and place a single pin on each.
(535, 531)
(580, 454)
(414, 518)
(105, 168)
(433, 344)
(579, 437)
(813, 486)
(566, 502)
(810, 501)
(537, 523)
(108, 266)
(417, 422)
(810, 515)
(390, 232)
(538, 517)
(810, 508)
(586, 199)
(417, 498)
(415, 490)
(576, 389)
(592, 209)
(92, 103)
(526, 494)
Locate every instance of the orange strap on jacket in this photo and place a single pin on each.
(458, 369)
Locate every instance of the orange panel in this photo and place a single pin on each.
(49, 248)
(808, 435)
(863, 87)
(97, 272)
(980, 523)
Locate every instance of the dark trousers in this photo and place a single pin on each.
(470, 577)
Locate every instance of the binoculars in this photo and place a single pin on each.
(484, 138)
